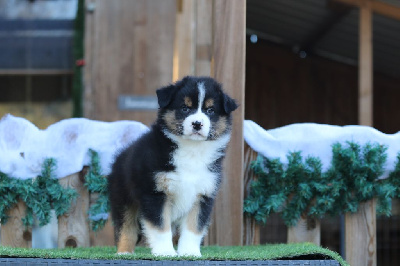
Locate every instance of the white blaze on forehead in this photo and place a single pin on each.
(202, 94)
(199, 116)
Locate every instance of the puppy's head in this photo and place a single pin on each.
(195, 108)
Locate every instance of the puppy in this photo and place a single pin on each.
(168, 179)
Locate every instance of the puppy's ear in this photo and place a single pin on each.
(165, 94)
(229, 104)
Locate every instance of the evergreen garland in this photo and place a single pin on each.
(40, 195)
(302, 188)
(394, 178)
(97, 183)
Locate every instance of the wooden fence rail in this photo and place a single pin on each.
(73, 227)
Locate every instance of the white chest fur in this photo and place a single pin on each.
(192, 176)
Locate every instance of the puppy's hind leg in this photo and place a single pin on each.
(127, 236)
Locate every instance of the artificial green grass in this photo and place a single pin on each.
(262, 252)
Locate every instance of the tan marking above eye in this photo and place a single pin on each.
(188, 101)
(209, 103)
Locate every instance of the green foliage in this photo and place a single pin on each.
(287, 190)
(9, 195)
(302, 188)
(43, 193)
(78, 49)
(40, 194)
(97, 183)
(394, 177)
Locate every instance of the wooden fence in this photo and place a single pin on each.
(74, 228)
(360, 227)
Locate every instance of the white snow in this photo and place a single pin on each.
(316, 140)
(24, 147)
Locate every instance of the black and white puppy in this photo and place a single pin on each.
(168, 179)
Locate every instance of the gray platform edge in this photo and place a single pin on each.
(69, 262)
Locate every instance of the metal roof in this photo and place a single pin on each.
(327, 29)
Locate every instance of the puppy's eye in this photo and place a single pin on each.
(185, 109)
(210, 111)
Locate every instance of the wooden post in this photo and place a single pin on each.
(361, 226)
(203, 17)
(228, 67)
(306, 230)
(14, 233)
(361, 235)
(184, 42)
(251, 229)
(73, 227)
(365, 67)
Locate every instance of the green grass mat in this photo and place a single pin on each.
(262, 252)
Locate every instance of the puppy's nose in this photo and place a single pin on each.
(197, 125)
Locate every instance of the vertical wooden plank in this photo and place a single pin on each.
(361, 226)
(14, 233)
(228, 67)
(361, 235)
(184, 44)
(251, 229)
(73, 227)
(306, 230)
(365, 69)
(203, 17)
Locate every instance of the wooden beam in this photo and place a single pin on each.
(184, 42)
(307, 229)
(361, 235)
(365, 68)
(378, 7)
(228, 67)
(361, 226)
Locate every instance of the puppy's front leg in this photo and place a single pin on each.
(159, 233)
(194, 226)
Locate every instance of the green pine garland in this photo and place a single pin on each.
(97, 183)
(394, 178)
(302, 188)
(40, 195)
(43, 193)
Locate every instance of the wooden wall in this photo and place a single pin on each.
(282, 88)
(128, 50)
(134, 47)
